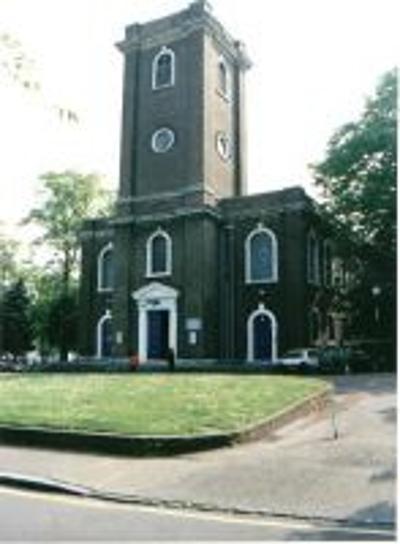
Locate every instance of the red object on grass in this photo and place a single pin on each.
(134, 361)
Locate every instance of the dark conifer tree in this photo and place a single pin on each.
(16, 320)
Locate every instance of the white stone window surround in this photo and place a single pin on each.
(99, 334)
(149, 255)
(163, 132)
(224, 79)
(163, 51)
(166, 298)
(100, 276)
(262, 310)
(275, 256)
(313, 259)
(223, 145)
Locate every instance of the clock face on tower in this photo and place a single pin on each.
(162, 140)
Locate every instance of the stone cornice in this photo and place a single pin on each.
(180, 25)
(166, 216)
(191, 189)
(86, 234)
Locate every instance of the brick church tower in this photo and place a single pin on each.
(189, 262)
(183, 126)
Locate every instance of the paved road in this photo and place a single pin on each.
(304, 471)
(41, 517)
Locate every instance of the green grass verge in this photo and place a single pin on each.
(161, 404)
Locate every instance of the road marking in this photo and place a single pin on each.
(89, 502)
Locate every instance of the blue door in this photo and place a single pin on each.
(157, 334)
(262, 338)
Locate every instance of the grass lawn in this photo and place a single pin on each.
(145, 404)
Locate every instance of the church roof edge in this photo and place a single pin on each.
(196, 15)
(288, 194)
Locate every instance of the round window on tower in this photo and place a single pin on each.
(162, 140)
(223, 145)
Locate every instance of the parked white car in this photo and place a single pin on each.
(302, 358)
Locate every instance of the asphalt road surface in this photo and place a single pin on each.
(32, 516)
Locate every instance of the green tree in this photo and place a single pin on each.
(16, 319)
(359, 173)
(67, 199)
(62, 322)
(8, 260)
(44, 285)
(358, 178)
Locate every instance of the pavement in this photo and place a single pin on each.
(339, 464)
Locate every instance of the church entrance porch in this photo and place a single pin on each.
(158, 321)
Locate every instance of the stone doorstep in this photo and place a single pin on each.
(116, 444)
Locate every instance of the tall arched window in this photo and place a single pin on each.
(223, 84)
(105, 268)
(159, 254)
(163, 70)
(261, 256)
(104, 335)
(313, 272)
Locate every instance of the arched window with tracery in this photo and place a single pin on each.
(261, 256)
(163, 70)
(159, 254)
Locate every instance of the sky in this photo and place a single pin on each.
(314, 64)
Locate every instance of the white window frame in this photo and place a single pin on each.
(149, 255)
(250, 329)
(163, 51)
(227, 92)
(154, 136)
(100, 278)
(313, 277)
(99, 339)
(225, 155)
(275, 255)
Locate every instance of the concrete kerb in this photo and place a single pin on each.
(153, 446)
(32, 483)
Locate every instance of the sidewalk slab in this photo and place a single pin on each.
(302, 471)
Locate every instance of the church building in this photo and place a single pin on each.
(190, 261)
